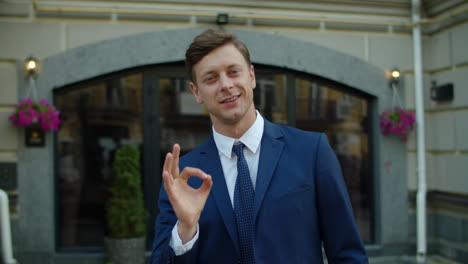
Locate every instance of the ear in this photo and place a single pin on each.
(196, 92)
(252, 77)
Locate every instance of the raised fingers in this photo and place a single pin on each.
(168, 181)
(168, 164)
(175, 160)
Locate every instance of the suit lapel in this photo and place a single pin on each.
(211, 164)
(270, 153)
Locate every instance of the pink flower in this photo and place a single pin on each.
(44, 102)
(397, 121)
(29, 112)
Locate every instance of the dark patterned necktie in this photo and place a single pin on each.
(243, 206)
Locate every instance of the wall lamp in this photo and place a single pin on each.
(395, 77)
(30, 66)
(222, 19)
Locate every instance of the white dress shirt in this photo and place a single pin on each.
(251, 139)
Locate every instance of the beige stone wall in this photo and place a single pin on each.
(445, 61)
(8, 96)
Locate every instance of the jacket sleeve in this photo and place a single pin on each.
(162, 252)
(339, 232)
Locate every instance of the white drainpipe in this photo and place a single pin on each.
(421, 148)
(7, 251)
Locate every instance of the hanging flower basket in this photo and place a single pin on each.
(29, 113)
(397, 121)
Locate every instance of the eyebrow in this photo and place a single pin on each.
(234, 65)
(207, 73)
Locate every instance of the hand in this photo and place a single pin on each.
(186, 201)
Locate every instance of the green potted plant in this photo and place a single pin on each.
(125, 212)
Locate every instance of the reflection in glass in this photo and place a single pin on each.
(270, 97)
(182, 119)
(96, 120)
(343, 117)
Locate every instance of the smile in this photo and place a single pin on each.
(230, 99)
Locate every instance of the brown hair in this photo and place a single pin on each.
(206, 42)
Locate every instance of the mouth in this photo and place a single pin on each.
(230, 99)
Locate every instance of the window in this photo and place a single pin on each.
(343, 116)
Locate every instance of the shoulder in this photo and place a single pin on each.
(291, 133)
(296, 141)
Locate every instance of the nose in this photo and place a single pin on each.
(225, 82)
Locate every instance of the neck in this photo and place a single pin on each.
(237, 129)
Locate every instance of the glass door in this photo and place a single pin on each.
(96, 119)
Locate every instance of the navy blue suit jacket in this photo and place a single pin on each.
(300, 201)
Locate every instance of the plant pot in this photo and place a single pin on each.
(126, 251)
(34, 136)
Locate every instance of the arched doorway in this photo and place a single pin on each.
(152, 107)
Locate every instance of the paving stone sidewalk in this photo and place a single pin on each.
(411, 260)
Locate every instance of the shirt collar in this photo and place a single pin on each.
(251, 138)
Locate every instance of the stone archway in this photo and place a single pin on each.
(169, 46)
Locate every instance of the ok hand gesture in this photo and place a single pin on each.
(186, 201)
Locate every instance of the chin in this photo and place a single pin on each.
(231, 118)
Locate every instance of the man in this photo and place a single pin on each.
(254, 192)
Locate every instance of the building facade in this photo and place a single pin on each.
(114, 70)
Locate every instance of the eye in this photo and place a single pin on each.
(210, 79)
(234, 72)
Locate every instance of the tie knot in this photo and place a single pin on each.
(238, 150)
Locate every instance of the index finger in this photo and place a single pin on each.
(190, 171)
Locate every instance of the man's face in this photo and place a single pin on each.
(224, 84)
